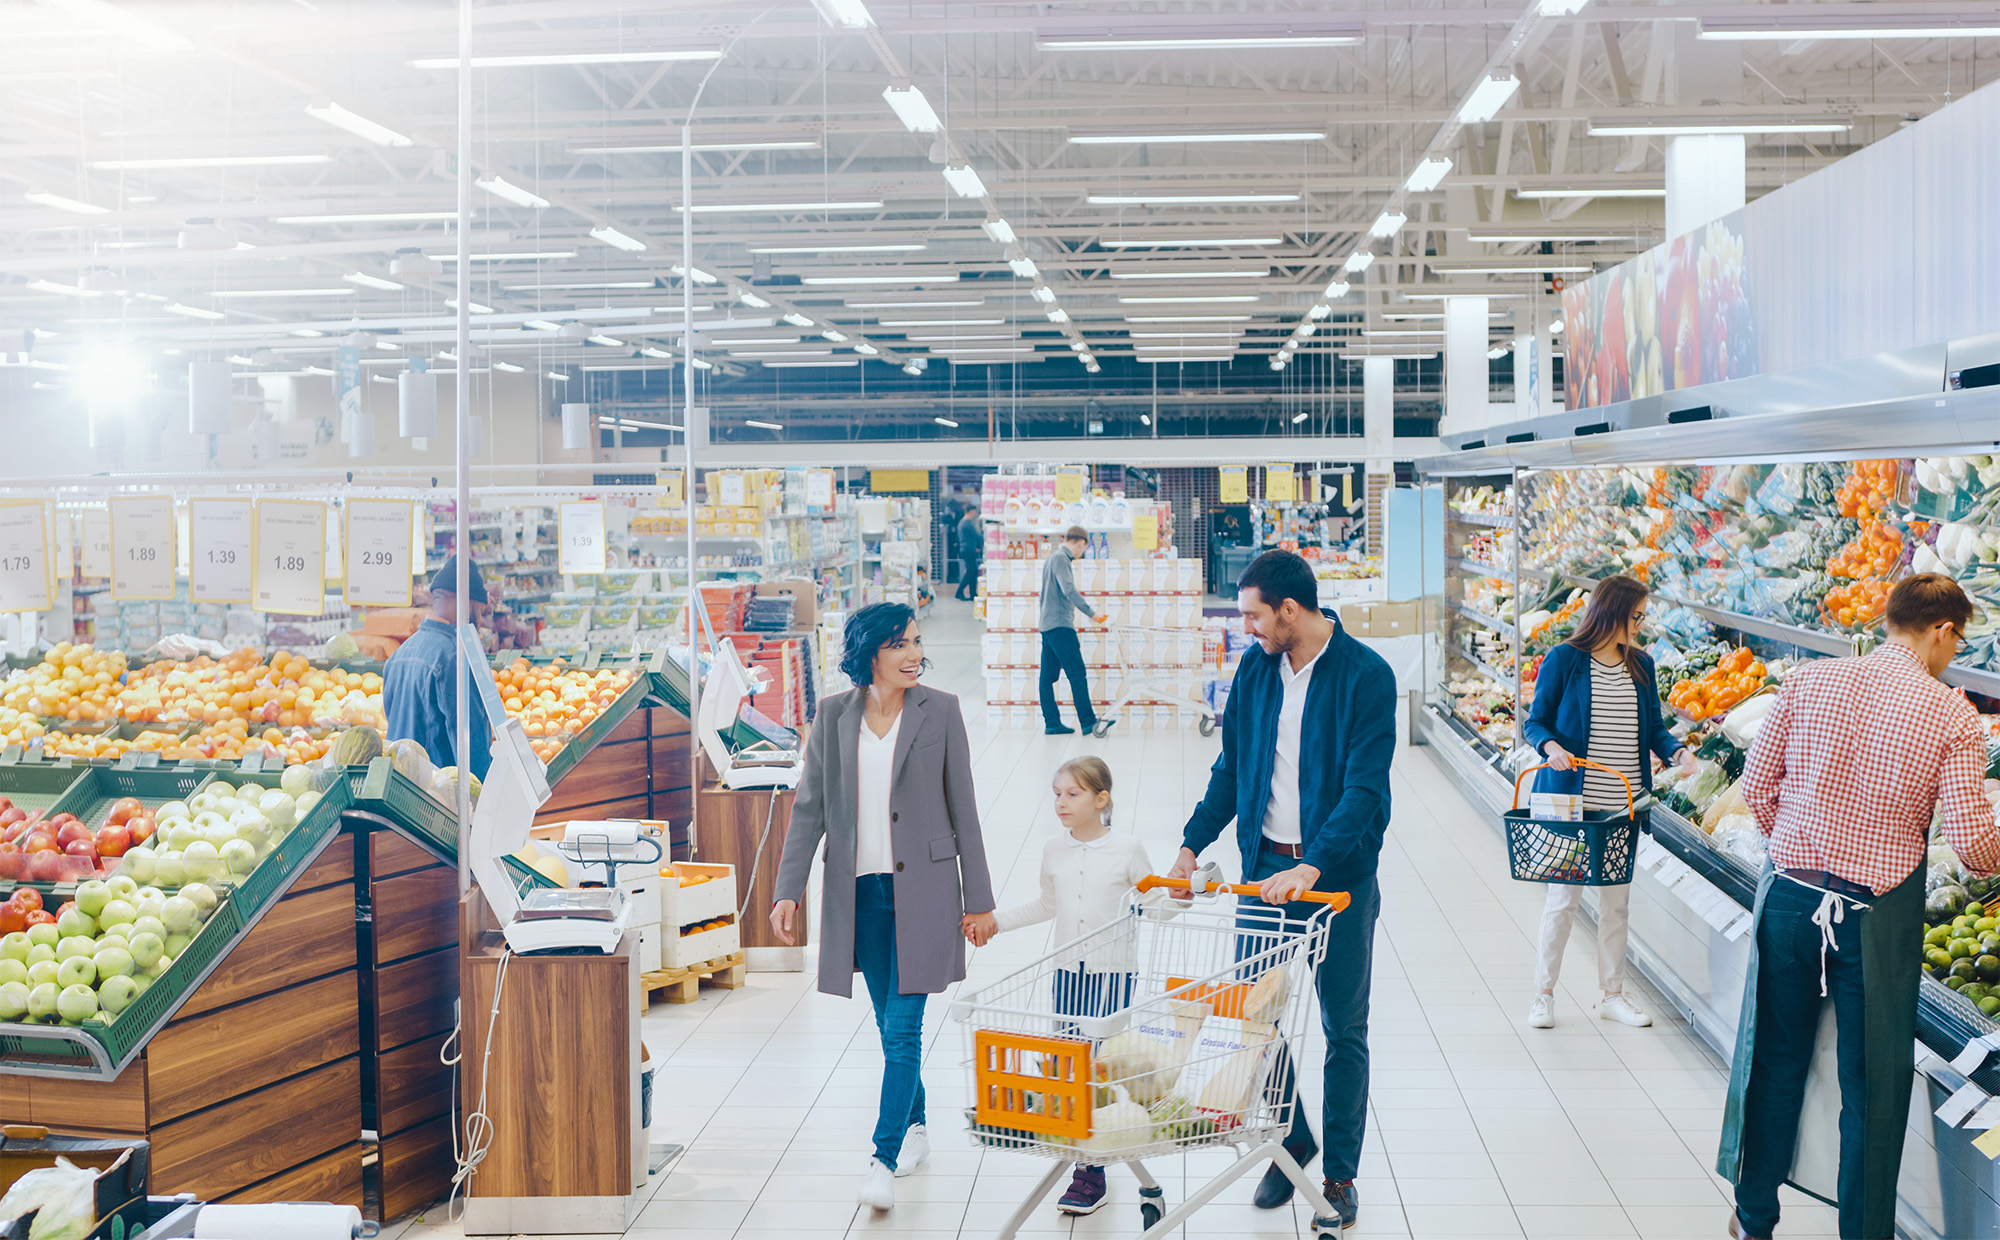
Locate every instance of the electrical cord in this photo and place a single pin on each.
(478, 1125)
(757, 858)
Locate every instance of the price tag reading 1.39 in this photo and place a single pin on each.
(220, 536)
(581, 539)
(378, 552)
(142, 547)
(290, 570)
(25, 582)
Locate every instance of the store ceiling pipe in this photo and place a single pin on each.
(576, 427)
(209, 398)
(416, 404)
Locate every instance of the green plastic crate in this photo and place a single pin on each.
(301, 846)
(91, 797)
(428, 822)
(39, 785)
(613, 716)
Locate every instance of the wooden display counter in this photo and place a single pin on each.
(733, 822)
(639, 771)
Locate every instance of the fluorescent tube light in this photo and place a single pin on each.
(1180, 200)
(798, 320)
(1388, 224)
(999, 230)
(1187, 318)
(571, 58)
(286, 292)
(741, 341)
(1298, 418)
(912, 108)
(700, 276)
(1078, 346)
(509, 367)
(1182, 358)
(866, 349)
(584, 285)
(507, 256)
(75, 205)
(945, 422)
(964, 181)
(846, 14)
(1556, 328)
(1044, 294)
(835, 336)
(1319, 311)
(559, 376)
(948, 277)
(1231, 273)
(956, 336)
(1305, 328)
(1223, 335)
(476, 308)
(1495, 353)
(763, 353)
(1167, 242)
(1590, 192)
(822, 363)
(612, 237)
(1672, 128)
(1126, 139)
(500, 187)
(1402, 331)
(836, 248)
(982, 351)
(308, 333)
(1486, 99)
(366, 217)
(939, 322)
(1428, 174)
(1058, 315)
(763, 426)
(1335, 290)
(1527, 266)
(655, 148)
(365, 280)
(608, 342)
(724, 208)
(1090, 364)
(1360, 260)
(542, 325)
(52, 286)
(751, 300)
(1786, 28)
(193, 312)
(360, 126)
(208, 161)
(1024, 268)
(1144, 35)
(1225, 298)
(1559, 239)
(911, 305)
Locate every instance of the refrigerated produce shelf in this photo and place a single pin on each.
(1499, 626)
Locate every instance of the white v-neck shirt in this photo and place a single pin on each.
(1281, 812)
(875, 761)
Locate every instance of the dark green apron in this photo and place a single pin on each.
(1891, 928)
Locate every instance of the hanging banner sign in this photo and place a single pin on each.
(819, 492)
(580, 536)
(290, 574)
(220, 535)
(142, 547)
(1235, 484)
(1278, 480)
(27, 579)
(1069, 485)
(96, 542)
(378, 552)
(1145, 530)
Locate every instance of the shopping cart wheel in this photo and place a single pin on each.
(1206, 726)
(1103, 727)
(1329, 1228)
(1151, 1206)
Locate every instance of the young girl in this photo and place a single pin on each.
(1086, 874)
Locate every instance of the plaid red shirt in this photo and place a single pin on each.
(1848, 765)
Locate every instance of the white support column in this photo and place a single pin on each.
(1378, 409)
(1705, 180)
(1465, 365)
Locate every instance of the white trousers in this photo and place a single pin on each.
(1613, 905)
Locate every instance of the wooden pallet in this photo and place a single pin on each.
(684, 985)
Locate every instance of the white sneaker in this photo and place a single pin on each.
(1621, 1009)
(1541, 1012)
(916, 1148)
(878, 1191)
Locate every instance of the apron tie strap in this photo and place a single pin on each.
(1831, 912)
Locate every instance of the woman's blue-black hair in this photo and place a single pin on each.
(867, 631)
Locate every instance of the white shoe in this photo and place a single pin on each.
(1541, 1012)
(878, 1191)
(1617, 1007)
(916, 1148)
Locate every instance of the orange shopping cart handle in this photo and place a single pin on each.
(1338, 900)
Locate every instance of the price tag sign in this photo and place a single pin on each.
(1278, 479)
(1069, 486)
(142, 547)
(96, 542)
(819, 491)
(1235, 484)
(378, 552)
(580, 536)
(728, 488)
(27, 582)
(220, 534)
(290, 574)
(1145, 531)
(673, 491)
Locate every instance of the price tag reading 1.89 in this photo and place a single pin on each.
(378, 552)
(96, 542)
(25, 583)
(142, 547)
(290, 571)
(581, 542)
(219, 555)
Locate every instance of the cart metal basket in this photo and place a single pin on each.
(1595, 852)
(1134, 685)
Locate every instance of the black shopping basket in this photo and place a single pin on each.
(1595, 852)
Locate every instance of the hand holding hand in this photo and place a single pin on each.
(1558, 757)
(781, 921)
(1288, 885)
(978, 928)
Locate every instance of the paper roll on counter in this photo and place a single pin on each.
(294, 1220)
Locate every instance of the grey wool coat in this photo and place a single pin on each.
(934, 836)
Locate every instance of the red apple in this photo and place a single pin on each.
(27, 897)
(82, 848)
(70, 832)
(113, 840)
(12, 917)
(13, 814)
(46, 867)
(6, 802)
(40, 841)
(36, 917)
(123, 809)
(14, 831)
(141, 826)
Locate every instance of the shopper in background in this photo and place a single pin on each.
(1304, 770)
(1596, 698)
(1843, 777)
(420, 680)
(888, 785)
(1062, 654)
(970, 537)
(1087, 873)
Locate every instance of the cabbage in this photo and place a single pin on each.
(343, 646)
(1121, 1125)
(1707, 783)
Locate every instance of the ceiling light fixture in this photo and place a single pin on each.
(1787, 27)
(956, 336)
(723, 208)
(1187, 318)
(1388, 224)
(1495, 353)
(912, 305)
(939, 322)
(1123, 139)
(1044, 294)
(945, 422)
(619, 240)
(964, 180)
(1581, 191)
(907, 101)
(1181, 200)
(1163, 301)
(1358, 261)
(1223, 335)
(775, 144)
(509, 367)
(1024, 267)
(820, 363)
(558, 376)
(193, 312)
(76, 206)
(1299, 417)
(1486, 99)
(1230, 273)
(502, 188)
(863, 347)
(798, 320)
(1428, 174)
(360, 126)
(452, 302)
(1146, 33)
(999, 230)
(1058, 315)
(508, 256)
(542, 325)
(763, 353)
(835, 336)
(751, 300)
(1537, 238)
(1165, 242)
(208, 161)
(1527, 266)
(1319, 311)
(944, 277)
(608, 342)
(572, 58)
(836, 248)
(1675, 127)
(366, 217)
(286, 292)
(763, 426)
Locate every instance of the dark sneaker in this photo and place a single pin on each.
(1345, 1201)
(1276, 1188)
(1086, 1191)
(1059, 730)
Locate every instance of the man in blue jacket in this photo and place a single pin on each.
(420, 680)
(1306, 746)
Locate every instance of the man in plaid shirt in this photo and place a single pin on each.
(1843, 777)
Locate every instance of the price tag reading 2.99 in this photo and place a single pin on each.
(291, 557)
(378, 552)
(581, 543)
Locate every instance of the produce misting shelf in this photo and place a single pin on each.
(1499, 626)
(1484, 668)
(1480, 569)
(1489, 519)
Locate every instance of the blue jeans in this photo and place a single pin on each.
(1342, 982)
(1062, 655)
(1079, 992)
(899, 1018)
(1788, 1011)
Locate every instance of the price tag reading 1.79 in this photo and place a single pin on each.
(219, 555)
(142, 547)
(290, 570)
(25, 582)
(378, 552)
(580, 543)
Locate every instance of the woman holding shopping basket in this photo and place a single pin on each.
(1595, 698)
(888, 786)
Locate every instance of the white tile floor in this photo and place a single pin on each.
(1478, 1125)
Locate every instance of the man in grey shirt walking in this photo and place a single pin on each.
(1061, 653)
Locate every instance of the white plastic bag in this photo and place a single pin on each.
(66, 1195)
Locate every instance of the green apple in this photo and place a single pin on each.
(111, 962)
(200, 853)
(44, 933)
(15, 946)
(76, 1004)
(139, 863)
(13, 971)
(149, 905)
(114, 996)
(74, 921)
(279, 807)
(76, 971)
(147, 948)
(141, 983)
(168, 869)
(117, 936)
(239, 857)
(159, 970)
(92, 895)
(149, 922)
(220, 788)
(42, 1001)
(73, 946)
(178, 943)
(172, 811)
(204, 897)
(122, 886)
(297, 780)
(40, 952)
(13, 1000)
(204, 801)
(43, 971)
(179, 915)
(117, 913)
(181, 834)
(307, 799)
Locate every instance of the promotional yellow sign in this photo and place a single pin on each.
(1235, 480)
(1278, 480)
(672, 493)
(885, 481)
(1069, 485)
(1145, 531)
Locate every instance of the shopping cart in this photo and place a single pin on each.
(1133, 686)
(1207, 1015)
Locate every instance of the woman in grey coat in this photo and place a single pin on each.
(888, 786)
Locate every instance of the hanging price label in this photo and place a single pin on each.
(96, 542)
(1278, 484)
(1234, 485)
(220, 534)
(1145, 530)
(27, 582)
(819, 491)
(378, 552)
(142, 547)
(290, 573)
(728, 488)
(672, 493)
(580, 536)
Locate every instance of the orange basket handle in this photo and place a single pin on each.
(1337, 899)
(1575, 761)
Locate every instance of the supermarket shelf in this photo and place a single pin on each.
(1491, 520)
(1473, 759)
(1979, 680)
(1501, 627)
(1481, 569)
(1816, 640)
(1486, 669)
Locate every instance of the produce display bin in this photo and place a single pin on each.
(39, 785)
(583, 742)
(90, 799)
(428, 822)
(262, 887)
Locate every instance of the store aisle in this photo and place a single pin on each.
(1479, 1126)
